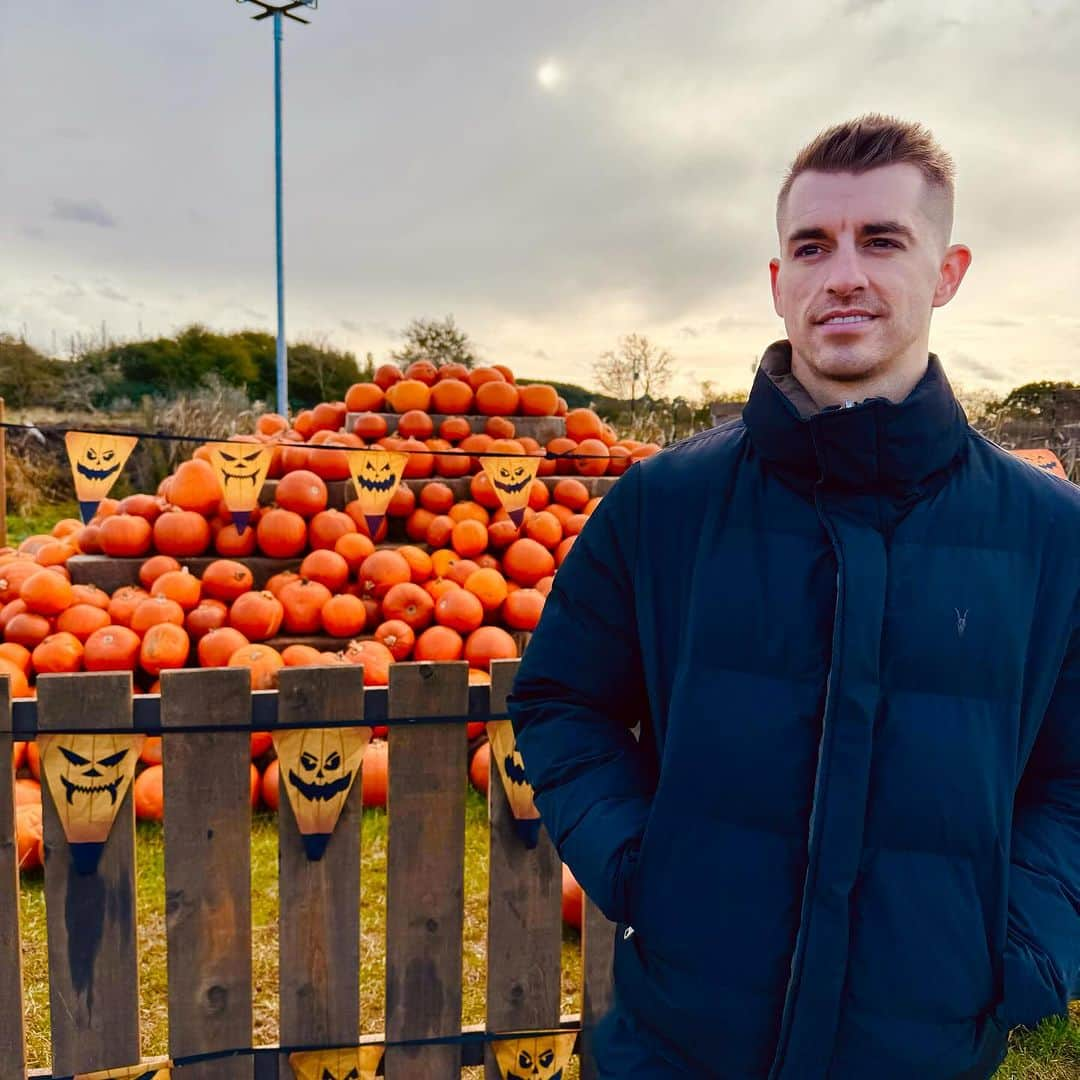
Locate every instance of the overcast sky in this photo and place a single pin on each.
(554, 174)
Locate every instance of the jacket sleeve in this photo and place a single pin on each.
(578, 691)
(1042, 952)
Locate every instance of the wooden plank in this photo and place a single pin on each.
(12, 1036)
(425, 887)
(597, 949)
(109, 573)
(524, 911)
(91, 918)
(208, 868)
(319, 924)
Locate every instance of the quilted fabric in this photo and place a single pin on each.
(847, 842)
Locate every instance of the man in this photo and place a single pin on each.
(847, 841)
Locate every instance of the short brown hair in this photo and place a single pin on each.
(873, 140)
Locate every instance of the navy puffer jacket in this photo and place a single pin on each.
(848, 840)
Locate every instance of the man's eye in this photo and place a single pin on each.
(800, 251)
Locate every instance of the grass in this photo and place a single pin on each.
(41, 521)
(150, 870)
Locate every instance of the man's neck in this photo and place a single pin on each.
(895, 383)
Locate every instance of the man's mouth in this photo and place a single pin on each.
(848, 320)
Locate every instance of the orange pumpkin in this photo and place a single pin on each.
(46, 593)
(112, 648)
(164, 647)
(480, 767)
(281, 534)
(303, 602)
(374, 773)
(376, 659)
(217, 646)
(269, 786)
(148, 793)
(226, 579)
(181, 533)
(195, 487)
(262, 661)
(154, 567)
(125, 535)
(257, 615)
(179, 585)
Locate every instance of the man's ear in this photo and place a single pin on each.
(774, 273)
(954, 266)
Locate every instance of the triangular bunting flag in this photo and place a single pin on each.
(534, 1057)
(511, 477)
(96, 462)
(88, 777)
(519, 792)
(376, 474)
(1043, 459)
(317, 768)
(352, 1063)
(241, 469)
(152, 1069)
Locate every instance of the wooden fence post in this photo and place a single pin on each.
(319, 920)
(93, 940)
(524, 945)
(12, 1035)
(598, 950)
(425, 877)
(207, 785)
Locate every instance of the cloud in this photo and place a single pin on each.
(959, 361)
(427, 172)
(83, 211)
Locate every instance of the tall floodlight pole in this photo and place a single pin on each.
(279, 13)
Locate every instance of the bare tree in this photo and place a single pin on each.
(636, 369)
(439, 340)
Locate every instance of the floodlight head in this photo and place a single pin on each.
(285, 8)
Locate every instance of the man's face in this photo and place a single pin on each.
(865, 243)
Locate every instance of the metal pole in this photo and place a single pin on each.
(282, 360)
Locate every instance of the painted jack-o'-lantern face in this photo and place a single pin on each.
(511, 478)
(376, 474)
(511, 770)
(538, 1058)
(239, 470)
(88, 777)
(318, 769)
(96, 461)
(323, 776)
(355, 1063)
(159, 1069)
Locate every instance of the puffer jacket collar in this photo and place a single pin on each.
(899, 449)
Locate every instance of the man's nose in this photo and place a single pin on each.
(844, 272)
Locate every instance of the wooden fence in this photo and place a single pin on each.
(205, 717)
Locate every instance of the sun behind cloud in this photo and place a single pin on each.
(549, 75)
